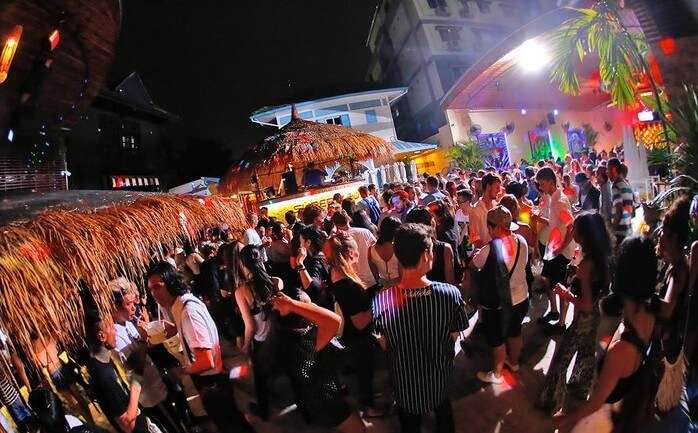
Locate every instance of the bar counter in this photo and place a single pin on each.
(321, 196)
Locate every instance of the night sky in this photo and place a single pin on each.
(214, 62)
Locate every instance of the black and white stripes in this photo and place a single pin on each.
(417, 325)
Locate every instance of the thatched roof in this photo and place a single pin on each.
(44, 260)
(299, 143)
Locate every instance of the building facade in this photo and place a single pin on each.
(368, 112)
(427, 45)
(119, 144)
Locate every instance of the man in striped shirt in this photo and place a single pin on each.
(623, 201)
(418, 318)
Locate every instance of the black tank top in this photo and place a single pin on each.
(438, 268)
(625, 384)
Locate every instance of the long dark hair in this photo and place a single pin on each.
(386, 232)
(229, 260)
(316, 237)
(361, 219)
(596, 246)
(174, 282)
(261, 284)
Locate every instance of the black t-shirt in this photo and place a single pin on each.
(113, 398)
(352, 300)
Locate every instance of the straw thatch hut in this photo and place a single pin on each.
(44, 260)
(301, 142)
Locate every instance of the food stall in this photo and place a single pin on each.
(274, 173)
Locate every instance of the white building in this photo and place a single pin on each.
(428, 44)
(368, 112)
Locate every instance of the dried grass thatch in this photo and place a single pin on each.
(299, 143)
(45, 260)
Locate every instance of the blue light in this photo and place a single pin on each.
(10, 135)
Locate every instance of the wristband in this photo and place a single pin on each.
(300, 268)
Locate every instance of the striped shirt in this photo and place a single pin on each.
(623, 195)
(417, 326)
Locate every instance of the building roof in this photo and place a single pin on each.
(497, 82)
(131, 94)
(257, 116)
(409, 146)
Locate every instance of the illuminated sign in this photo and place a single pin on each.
(322, 197)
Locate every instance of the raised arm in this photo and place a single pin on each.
(328, 322)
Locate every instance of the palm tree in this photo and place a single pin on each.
(621, 54)
(467, 155)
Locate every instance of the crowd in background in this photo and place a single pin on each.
(397, 275)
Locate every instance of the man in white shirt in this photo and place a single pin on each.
(129, 341)
(560, 247)
(251, 236)
(479, 232)
(502, 319)
(365, 240)
(201, 346)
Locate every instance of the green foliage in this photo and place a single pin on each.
(467, 155)
(682, 128)
(591, 136)
(600, 31)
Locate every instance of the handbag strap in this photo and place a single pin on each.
(518, 253)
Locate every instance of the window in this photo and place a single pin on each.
(450, 35)
(465, 11)
(371, 116)
(458, 71)
(484, 6)
(334, 120)
(128, 142)
(435, 4)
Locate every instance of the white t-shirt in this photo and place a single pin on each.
(197, 329)
(478, 223)
(462, 222)
(154, 390)
(251, 237)
(560, 218)
(364, 239)
(518, 284)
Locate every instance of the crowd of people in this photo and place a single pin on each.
(399, 274)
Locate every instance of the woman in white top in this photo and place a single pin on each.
(254, 289)
(383, 261)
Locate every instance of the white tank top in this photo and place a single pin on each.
(388, 272)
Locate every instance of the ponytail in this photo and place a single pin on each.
(340, 244)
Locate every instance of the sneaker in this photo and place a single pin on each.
(512, 367)
(490, 377)
(551, 316)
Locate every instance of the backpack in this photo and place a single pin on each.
(491, 284)
(373, 211)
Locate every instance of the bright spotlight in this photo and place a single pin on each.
(556, 112)
(532, 56)
(523, 111)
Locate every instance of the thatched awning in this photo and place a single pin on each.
(44, 260)
(301, 142)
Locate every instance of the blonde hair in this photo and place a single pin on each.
(123, 285)
(340, 244)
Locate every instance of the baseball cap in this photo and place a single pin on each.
(500, 216)
(580, 178)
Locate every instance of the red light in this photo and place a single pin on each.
(54, 39)
(668, 46)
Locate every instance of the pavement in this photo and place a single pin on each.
(477, 407)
